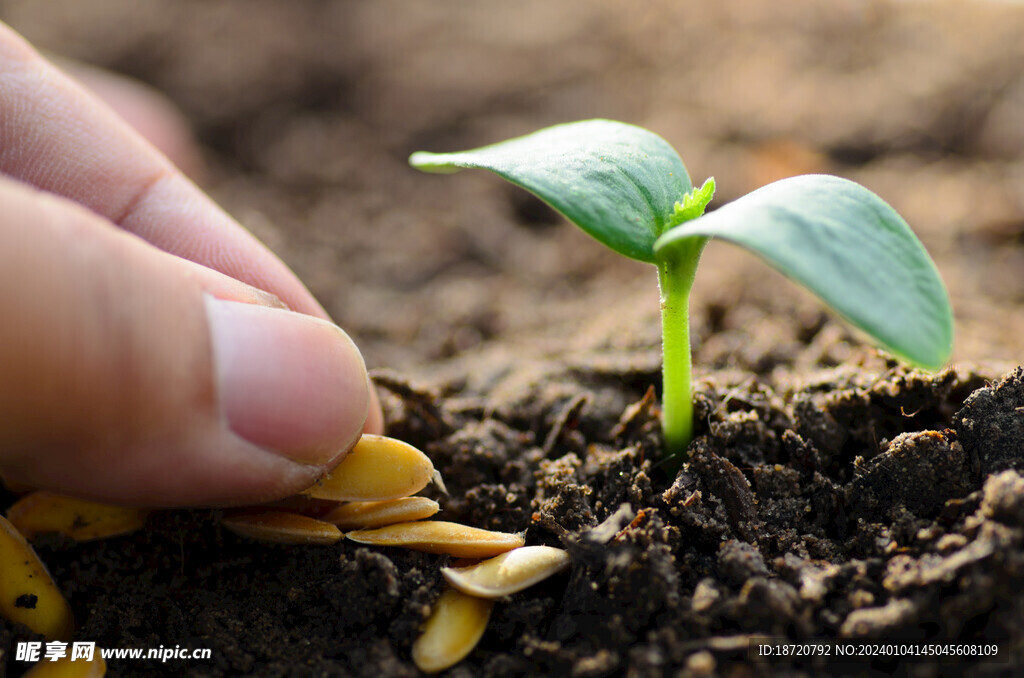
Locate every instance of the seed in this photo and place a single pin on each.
(281, 527)
(453, 629)
(376, 469)
(367, 514)
(438, 536)
(27, 592)
(508, 573)
(66, 667)
(81, 520)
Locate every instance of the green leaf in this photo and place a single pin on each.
(693, 203)
(849, 247)
(617, 182)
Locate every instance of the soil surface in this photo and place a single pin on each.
(831, 494)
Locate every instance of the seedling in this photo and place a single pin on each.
(628, 188)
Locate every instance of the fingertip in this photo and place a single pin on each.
(289, 383)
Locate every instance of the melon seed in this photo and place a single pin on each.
(508, 573)
(377, 469)
(27, 593)
(281, 527)
(438, 536)
(455, 626)
(42, 512)
(368, 514)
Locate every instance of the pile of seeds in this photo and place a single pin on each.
(369, 494)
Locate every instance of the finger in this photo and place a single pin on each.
(147, 111)
(61, 139)
(128, 375)
(76, 148)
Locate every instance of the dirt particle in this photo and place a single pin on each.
(770, 605)
(701, 663)
(739, 561)
(727, 484)
(1003, 498)
(876, 622)
(704, 596)
(598, 664)
(861, 599)
(950, 542)
(991, 424)
(919, 471)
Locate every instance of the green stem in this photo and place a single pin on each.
(675, 278)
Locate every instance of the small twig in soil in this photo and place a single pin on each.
(420, 401)
(636, 415)
(636, 522)
(612, 526)
(568, 419)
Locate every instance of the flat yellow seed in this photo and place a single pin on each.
(508, 573)
(281, 527)
(376, 469)
(27, 592)
(438, 536)
(42, 512)
(455, 626)
(66, 668)
(367, 514)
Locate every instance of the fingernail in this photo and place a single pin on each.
(288, 382)
(254, 295)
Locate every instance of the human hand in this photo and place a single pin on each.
(146, 352)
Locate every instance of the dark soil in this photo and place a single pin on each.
(845, 509)
(831, 494)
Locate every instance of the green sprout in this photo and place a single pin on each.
(628, 188)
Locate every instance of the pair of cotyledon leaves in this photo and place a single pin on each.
(620, 183)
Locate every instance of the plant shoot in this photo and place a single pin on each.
(628, 188)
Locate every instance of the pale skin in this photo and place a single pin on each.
(152, 351)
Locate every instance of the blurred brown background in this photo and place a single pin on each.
(307, 111)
